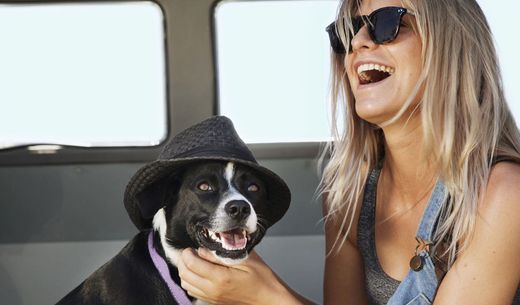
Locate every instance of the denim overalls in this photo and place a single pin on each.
(418, 287)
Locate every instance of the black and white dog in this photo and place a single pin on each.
(205, 189)
(218, 205)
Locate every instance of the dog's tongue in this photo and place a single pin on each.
(234, 239)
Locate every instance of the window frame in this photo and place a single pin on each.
(191, 91)
(273, 150)
(175, 104)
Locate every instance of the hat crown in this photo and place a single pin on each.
(215, 136)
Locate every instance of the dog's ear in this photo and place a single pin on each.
(157, 195)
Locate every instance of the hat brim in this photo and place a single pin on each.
(278, 193)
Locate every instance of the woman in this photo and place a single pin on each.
(422, 193)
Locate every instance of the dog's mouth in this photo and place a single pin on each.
(233, 243)
(231, 240)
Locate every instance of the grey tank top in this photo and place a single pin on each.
(380, 286)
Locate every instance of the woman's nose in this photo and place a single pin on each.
(362, 40)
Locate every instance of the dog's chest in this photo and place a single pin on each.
(199, 302)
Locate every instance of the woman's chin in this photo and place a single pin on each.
(376, 112)
(373, 117)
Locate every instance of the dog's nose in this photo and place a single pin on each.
(238, 209)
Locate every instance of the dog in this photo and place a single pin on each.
(222, 203)
(215, 205)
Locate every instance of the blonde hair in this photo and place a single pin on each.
(465, 119)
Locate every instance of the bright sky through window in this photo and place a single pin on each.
(274, 66)
(86, 74)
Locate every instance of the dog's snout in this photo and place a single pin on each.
(238, 209)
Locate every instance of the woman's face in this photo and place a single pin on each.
(379, 100)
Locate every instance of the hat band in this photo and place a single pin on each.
(217, 152)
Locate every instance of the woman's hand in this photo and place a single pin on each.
(250, 282)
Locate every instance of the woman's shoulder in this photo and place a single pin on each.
(500, 200)
(504, 181)
(496, 240)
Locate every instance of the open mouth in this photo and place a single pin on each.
(233, 243)
(373, 73)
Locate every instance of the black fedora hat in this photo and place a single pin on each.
(212, 139)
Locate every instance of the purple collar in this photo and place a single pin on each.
(178, 294)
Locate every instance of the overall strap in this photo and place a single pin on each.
(431, 213)
(177, 293)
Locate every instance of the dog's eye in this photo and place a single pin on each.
(253, 188)
(204, 186)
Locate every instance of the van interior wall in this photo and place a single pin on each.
(60, 223)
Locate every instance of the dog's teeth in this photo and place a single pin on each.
(214, 236)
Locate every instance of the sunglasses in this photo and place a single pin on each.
(383, 27)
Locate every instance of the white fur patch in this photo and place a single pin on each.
(230, 195)
(228, 173)
(159, 224)
(172, 254)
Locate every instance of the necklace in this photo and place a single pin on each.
(417, 261)
(408, 206)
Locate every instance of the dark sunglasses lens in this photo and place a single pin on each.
(335, 41)
(385, 24)
(357, 24)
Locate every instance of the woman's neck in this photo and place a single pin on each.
(408, 172)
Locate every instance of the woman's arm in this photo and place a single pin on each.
(344, 281)
(250, 282)
(488, 271)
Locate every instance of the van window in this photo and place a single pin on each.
(84, 74)
(273, 66)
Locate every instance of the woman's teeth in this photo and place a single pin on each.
(372, 73)
(368, 67)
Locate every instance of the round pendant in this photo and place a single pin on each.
(416, 263)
